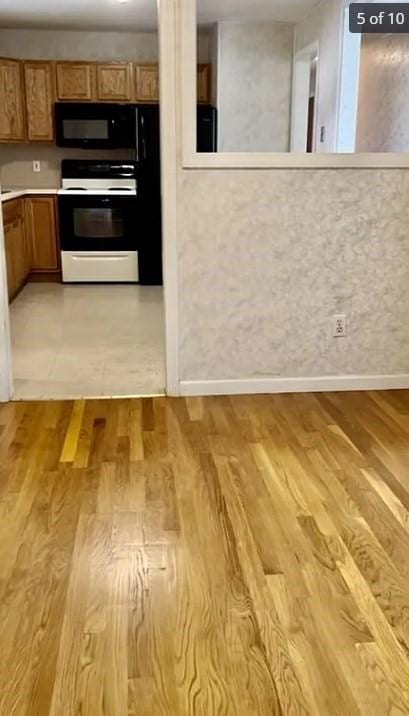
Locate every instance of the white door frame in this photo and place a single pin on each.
(169, 186)
(6, 377)
(349, 82)
(301, 95)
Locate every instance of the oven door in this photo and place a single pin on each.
(98, 223)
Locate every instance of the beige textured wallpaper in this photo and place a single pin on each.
(266, 258)
(383, 110)
(254, 86)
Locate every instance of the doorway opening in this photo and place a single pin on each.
(312, 103)
(305, 99)
(82, 210)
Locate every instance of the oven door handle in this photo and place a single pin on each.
(98, 255)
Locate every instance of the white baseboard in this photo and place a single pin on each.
(332, 383)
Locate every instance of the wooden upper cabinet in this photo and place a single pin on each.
(114, 82)
(11, 101)
(147, 83)
(75, 81)
(40, 96)
(41, 230)
(203, 83)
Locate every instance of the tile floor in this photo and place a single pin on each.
(87, 341)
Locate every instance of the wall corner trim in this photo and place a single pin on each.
(318, 384)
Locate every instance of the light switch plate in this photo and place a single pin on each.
(36, 166)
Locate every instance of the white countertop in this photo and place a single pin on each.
(17, 193)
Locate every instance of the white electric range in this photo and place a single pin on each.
(98, 210)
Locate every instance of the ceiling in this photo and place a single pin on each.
(138, 15)
(255, 10)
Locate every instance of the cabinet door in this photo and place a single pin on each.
(11, 102)
(42, 234)
(14, 237)
(19, 254)
(147, 83)
(8, 244)
(75, 81)
(203, 83)
(114, 82)
(40, 95)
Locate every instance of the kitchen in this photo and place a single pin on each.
(80, 177)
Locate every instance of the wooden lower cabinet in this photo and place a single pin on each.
(40, 215)
(30, 238)
(17, 257)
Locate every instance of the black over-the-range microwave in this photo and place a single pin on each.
(95, 125)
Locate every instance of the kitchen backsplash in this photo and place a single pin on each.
(16, 164)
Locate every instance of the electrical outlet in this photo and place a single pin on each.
(36, 166)
(339, 325)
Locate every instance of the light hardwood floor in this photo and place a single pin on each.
(240, 556)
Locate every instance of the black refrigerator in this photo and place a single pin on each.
(206, 128)
(149, 194)
(149, 182)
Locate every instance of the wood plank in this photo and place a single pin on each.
(73, 433)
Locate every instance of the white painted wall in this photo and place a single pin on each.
(254, 86)
(78, 45)
(383, 109)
